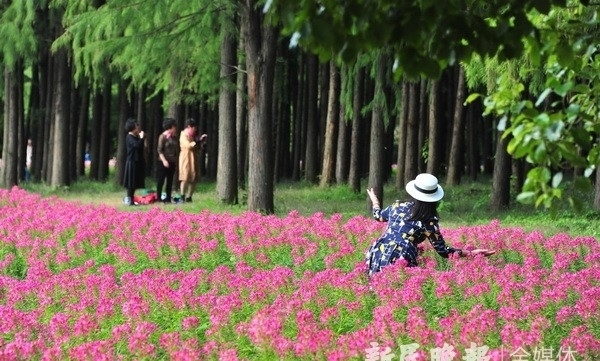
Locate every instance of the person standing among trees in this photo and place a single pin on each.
(168, 154)
(135, 169)
(409, 224)
(187, 160)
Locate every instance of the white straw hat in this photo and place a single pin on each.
(425, 188)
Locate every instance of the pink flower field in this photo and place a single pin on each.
(87, 282)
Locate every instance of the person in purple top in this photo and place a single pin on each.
(409, 224)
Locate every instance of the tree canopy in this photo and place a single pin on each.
(160, 44)
(426, 36)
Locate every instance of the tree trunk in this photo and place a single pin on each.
(281, 115)
(21, 136)
(341, 162)
(376, 156)
(328, 172)
(357, 104)
(35, 110)
(82, 128)
(75, 102)
(62, 95)
(104, 151)
(474, 133)
(423, 123)
(299, 119)
(46, 154)
(209, 154)
(402, 124)
(434, 149)
(455, 165)
(10, 148)
(500, 199)
(95, 131)
(260, 62)
(312, 120)
(241, 121)
(227, 161)
(153, 130)
(412, 133)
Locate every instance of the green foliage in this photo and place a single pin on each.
(425, 36)
(17, 33)
(155, 43)
(554, 129)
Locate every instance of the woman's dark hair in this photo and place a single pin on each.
(191, 123)
(423, 211)
(130, 124)
(169, 123)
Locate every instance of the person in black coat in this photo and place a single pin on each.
(135, 170)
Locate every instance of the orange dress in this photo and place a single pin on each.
(187, 157)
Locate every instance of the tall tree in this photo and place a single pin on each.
(61, 121)
(260, 64)
(456, 162)
(341, 162)
(227, 160)
(500, 199)
(312, 120)
(12, 92)
(299, 119)
(96, 129)
(402, 125)
(411, 155)
(104, 151)
(434, 149)
(241, 118)
(17, 47)
(376, 156)
(82, 128)
(357, 104)
(329, 156)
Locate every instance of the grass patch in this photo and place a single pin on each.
(463, 205)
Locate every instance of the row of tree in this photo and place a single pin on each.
(74, 70)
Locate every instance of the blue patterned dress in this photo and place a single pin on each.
(401, 237)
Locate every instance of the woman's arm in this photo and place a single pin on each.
(379, 214)
(439, 244)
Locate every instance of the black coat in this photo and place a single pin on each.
(134, 173)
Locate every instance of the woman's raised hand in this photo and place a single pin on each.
(373, 197)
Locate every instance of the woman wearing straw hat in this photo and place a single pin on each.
(410, 223)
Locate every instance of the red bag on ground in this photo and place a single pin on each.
(145, 199)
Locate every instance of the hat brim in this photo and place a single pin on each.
(424, 197)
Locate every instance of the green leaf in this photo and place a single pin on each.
(502, 123)
(565, 54)
(564, 88)
(557, 179)
(554, 131)
(534, 50)
(582, 137)
(589, 171)
(543, 96)
(581, 88)
(526, 197)
(472, 97)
